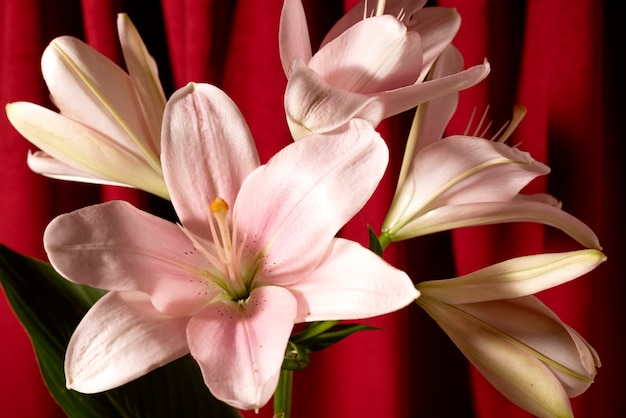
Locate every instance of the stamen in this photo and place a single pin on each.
(482, 120)
(519, 112)
(502, 128)
(366, 12)
(215, 261)
(504, 132)
(483, 133)
(469, 123)
(218, 248)
(380, 9)
(239, 254)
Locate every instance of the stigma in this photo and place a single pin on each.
(218, 206)
(228, 250)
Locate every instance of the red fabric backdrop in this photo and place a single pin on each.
(557, 57)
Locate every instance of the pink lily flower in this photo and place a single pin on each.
(370, 69)
(256, 253)
(521, 347)
(108, 127)
(461, 181)
(467, 181)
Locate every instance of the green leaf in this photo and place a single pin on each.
(313, 329)
(49, 307)
(375, 245)
(316, 336)
(333, 335)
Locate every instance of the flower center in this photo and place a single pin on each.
(230, 267)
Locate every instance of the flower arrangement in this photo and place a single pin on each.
(251, 275)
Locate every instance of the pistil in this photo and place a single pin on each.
(519, 112)
(227, 249)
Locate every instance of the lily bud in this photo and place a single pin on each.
(515, 341)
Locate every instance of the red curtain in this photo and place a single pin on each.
(557, 57)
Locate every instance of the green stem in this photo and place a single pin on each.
(384, 240)
(282, 396)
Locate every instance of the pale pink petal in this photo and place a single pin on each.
(511, 369)
(313, 105)
(293, 34)
(115, 246)
(207, 152)
(405, 98)
(240, 346)
(437, 26)
(83, 148)
(408, 8)
(488, 213)
(374, 55)
(517, 277)
(536, 328)
(589, 359)
(121, 338)
(294, 205)
(461, 170)
(145, 75)
(352, 283)
(449, 62)
(544, 198)
(89, 88)
(46, 165)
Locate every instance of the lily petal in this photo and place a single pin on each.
(293, 35)
(46, 165)
(405, 98)
(144, 73)
(121, 338)
(240, 346)
(352, 283)
(374, 55)
(313, 105)
(86, 149)
(408, 8)
(89, 88)
(511, 366)
(486, 213)
(521, 276)
(437, 26)
(202, 121)
(123, 248)
(535, 326)
(309, 201)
